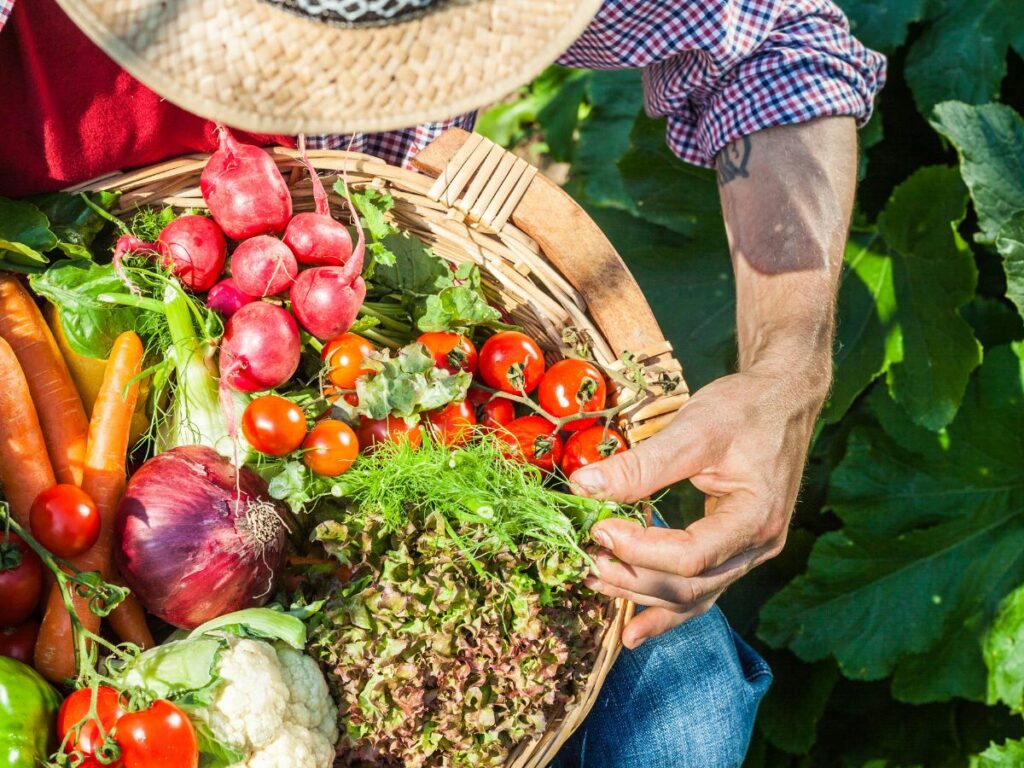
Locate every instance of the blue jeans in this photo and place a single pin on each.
(685, 699)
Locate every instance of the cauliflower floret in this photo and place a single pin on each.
(294, 746)
(273, 706)
(313, 709)
(250, 706)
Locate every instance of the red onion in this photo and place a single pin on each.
(196, 539)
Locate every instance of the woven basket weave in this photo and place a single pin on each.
(543, 260)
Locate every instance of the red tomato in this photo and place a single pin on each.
(330, 448)
(572, 387)
(20, 584)
(589, 446)
(534, 439)
(512, 362)
(344, 357)
(158, 737)
(453, 424)
(273, 425)
(85, 738)
(332, 394)
(19, 642)
(451, 351)
(392, 429)
(65, 520)
(492, 411)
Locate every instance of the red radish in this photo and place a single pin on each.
(244, 190)
(263, 266)
(226, 298)
(260, 349)
(314, 237)
(194, 248)
(319, 240)
(326, 299)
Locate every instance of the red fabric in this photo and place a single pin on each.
(69, 113)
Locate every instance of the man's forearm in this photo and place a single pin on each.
(787, 194)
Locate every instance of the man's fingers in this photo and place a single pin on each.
(648, 587)
(676, 453)
(655, 621)
(707, 543)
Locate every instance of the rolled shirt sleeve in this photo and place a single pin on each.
(722, 69)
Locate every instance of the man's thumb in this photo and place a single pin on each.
(667, 457)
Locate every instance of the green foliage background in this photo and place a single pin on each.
(909, 535)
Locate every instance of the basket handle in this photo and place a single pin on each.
(492, 186)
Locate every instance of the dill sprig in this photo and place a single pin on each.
(475, 484)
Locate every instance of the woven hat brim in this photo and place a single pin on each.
(260, 68)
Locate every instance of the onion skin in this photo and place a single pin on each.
(182, 543)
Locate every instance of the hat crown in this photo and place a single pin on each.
(356, 12)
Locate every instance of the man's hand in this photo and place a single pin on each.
(786, 195)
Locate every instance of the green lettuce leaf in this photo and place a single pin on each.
(25, 234)
(90, 325)
(406, 385)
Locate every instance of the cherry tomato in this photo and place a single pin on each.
(65, 520)
(330, 448)
(454, 423)
(451, 351)
(273, 425)
(534, 439)
(589, 446)
(86, 738)
(512, 362)
(20, 584)
(19, 642)
(392, 429)
(344, 357)
(492, 411)
(158, 737)
(572, 387)
(333, 394)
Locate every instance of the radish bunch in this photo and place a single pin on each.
(313, 265)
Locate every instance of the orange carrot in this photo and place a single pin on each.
(58, 404)
(25, 469)
(128, 621)
(104, 481)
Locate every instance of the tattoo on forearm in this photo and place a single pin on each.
(732, 161)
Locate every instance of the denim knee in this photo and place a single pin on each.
(686, 699)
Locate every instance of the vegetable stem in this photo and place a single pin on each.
(131, 300)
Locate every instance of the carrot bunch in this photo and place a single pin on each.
(45, 438)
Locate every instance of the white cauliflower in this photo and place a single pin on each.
(273, 706)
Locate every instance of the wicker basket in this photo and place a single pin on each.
(543, 260)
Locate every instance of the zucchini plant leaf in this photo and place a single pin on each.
(1010, 244)
(933, 535)
(990, 142)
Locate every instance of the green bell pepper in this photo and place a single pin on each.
(28, 713)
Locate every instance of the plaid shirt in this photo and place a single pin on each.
(717, 69)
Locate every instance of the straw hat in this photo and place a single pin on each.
(332, 66)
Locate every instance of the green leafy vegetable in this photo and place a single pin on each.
(75, 288)
(24, 234)
(74, 222)
(1004, 653)
(406, 385)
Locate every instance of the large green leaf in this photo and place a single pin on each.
(882, 24)
(934, 273)
(867, 332)
(1010, 243)
(1004, 653)
(962, 54)
(24, 233)
(902, 285)
(990, 142)
(796, 701)
(933, 535)
(1007, 755)
(604, 136)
